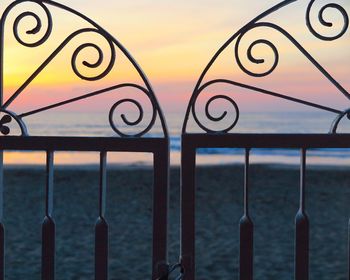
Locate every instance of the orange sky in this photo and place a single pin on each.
(173, 41)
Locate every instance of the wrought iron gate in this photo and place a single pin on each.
(217, 132)
(124, 141)
(141, 141)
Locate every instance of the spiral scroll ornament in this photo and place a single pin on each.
(138, 129)
(4, 121)
(321, 18)
(230, 119)
(33, 31)
(93, 65)
(7, 120)
(254, 60)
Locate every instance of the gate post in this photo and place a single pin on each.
(2, 230)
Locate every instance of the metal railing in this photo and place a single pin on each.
(218, 126)
(138, 140)
(192, 142)
(134, 140)
(157, 146)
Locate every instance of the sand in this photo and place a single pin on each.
(274, 203)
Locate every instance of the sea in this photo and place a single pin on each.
(95, 124)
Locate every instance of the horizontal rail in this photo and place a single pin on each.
(267, 140)
(159, 147)
(33, 143)
(303, 142)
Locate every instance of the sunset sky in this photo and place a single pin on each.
(173, 41)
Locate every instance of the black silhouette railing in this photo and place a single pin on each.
(133, 140)
(139, 140)
(218, 126)
(157, 146)
(304, 142)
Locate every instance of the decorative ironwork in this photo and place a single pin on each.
(221, 138)
(113, 46)
(252, 25)
(158, 146)
(325, 23)
(7, 119)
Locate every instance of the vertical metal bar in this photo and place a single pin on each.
(160, 211)
(188, 171)
(2, 229)
(48, 226)
(101, 227)
(246, 181)
(302, 229)
(246, 229)
(349, 250)
(2, 25)
(103, 184)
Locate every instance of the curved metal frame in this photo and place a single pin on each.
(137, 142)
(258, 23)
(112, 42)
(222, 138)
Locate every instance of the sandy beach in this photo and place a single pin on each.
(274, 203)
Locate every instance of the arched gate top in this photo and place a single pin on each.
(261, 22)
(114, 46)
